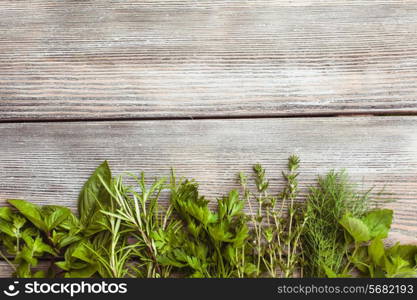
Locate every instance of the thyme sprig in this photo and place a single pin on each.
(123, 230)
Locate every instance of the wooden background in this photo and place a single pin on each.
(210, 88)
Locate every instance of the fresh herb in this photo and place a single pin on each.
(277, 223)
(124, 230)
(323, 243)
(212, 244)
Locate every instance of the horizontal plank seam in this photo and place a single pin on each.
(220, 117)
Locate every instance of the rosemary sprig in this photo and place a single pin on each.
(122, 230)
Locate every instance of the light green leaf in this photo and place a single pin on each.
(39, 274)
(6, 213)
(361, 259)
(40, 247)
(356, 228)
(376, 251)
(31, 211)
(83, 253)
(7, 228)
(397, 267)
(378, 222)
(250, 269)
(329, 272)
(406, 252)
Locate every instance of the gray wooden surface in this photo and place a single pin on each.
(154, 59)
(48, 162)
(98, 68)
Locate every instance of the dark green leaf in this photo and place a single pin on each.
(93, 191)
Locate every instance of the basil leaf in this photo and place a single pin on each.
(31, 211)
(378, 222)
(93, 191)
(83, 253)
(55, 215)
(86, 272)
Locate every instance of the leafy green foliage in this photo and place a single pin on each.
(378, 222)
(123, 230)
(212, 243)
(92, 196)
(332, 201)
(377, 261)
(277, 223)
(356, 228)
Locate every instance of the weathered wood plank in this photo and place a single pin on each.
(48, 162)
(151, 59)
(6, 270)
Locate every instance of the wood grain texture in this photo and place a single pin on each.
(103, 59)
(49, 162)
(6, 270)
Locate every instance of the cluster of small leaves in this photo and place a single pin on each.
(345, 235)
(149, 228)
(51, 232)
(277, 223)
(367, 253)
(123, 231)
(212, 244)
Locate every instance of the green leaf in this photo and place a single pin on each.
(250, 269)
(6, 213)
(378, 222)
(97, 224)
(7, 228)
(361, 259)
(67, 240)
(93, 191)
(329, 272)
(31, 211)
(397, 267)
(356, 228)
(40, 247)
(376, 251)
(26, 254)
(406, 252)
(39, 274)
(230, 206)
(86, 272)
(83, 253)
(56, 215)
